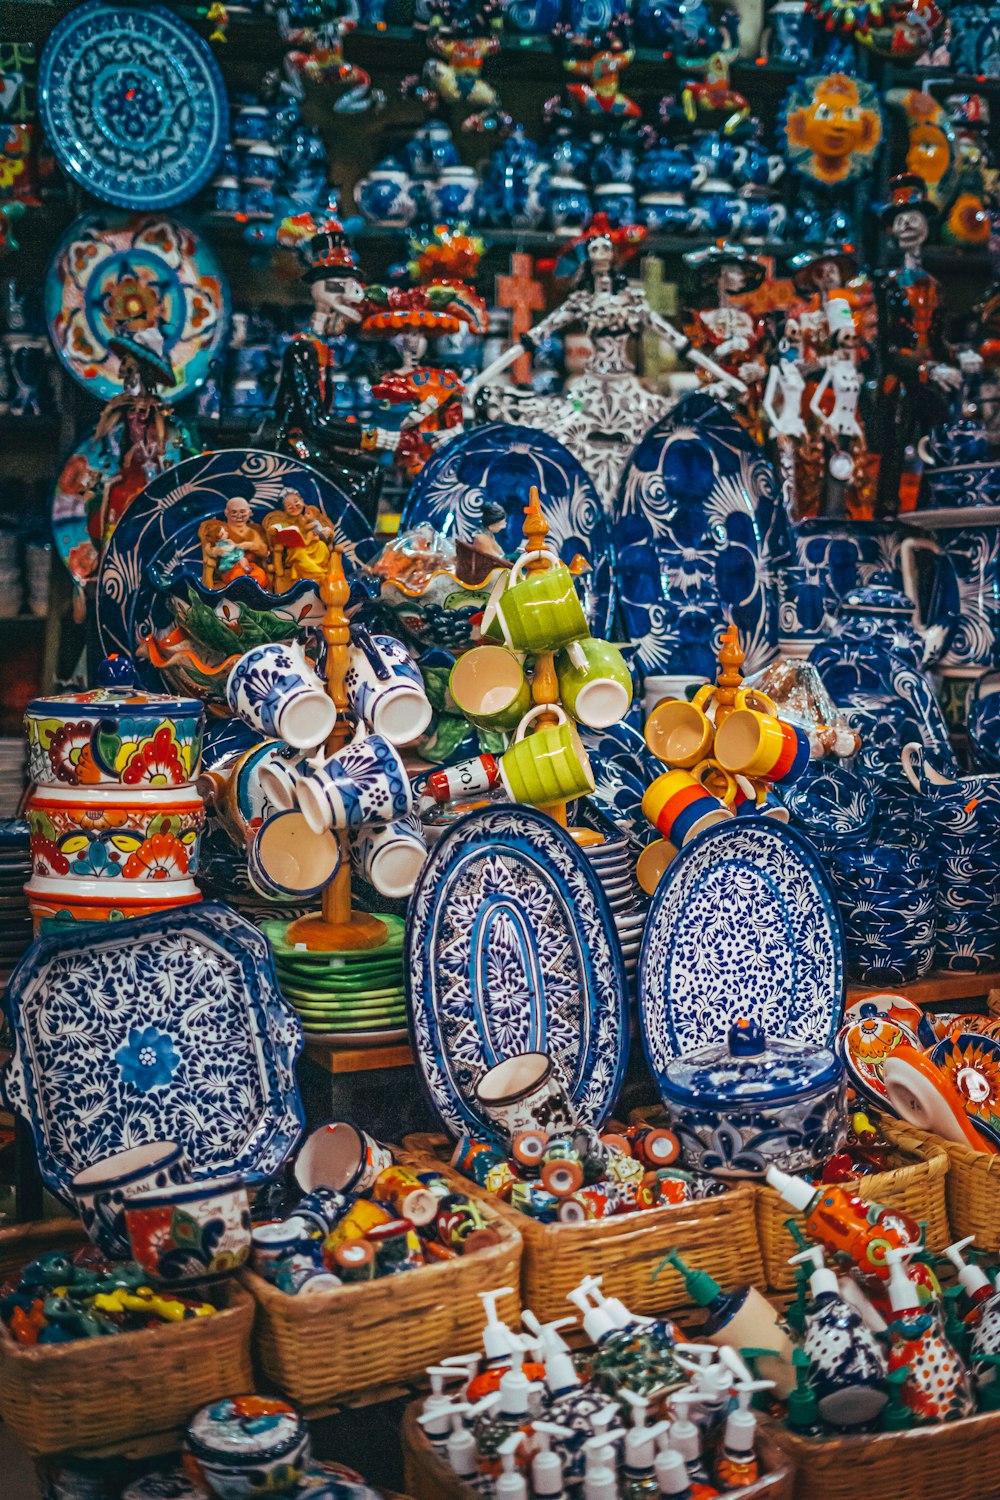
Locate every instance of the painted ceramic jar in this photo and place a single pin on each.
(188, 1233)
(385, 196)
(754, 1102)
(55, 902)
(114, 736)
(569, 203)
(99, 833)
(248, 1445)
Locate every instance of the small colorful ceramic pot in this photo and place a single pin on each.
(244, 1446)
(526, 1092)
(191, 1232)
(322, 1209)
(114, 736)
(102, 1191)
(103, 833)
(54, 903)
(276, 1243)
(385, 689)
(340, 1156)
(277, 690)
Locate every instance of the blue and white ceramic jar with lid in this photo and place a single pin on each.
(753, 1102)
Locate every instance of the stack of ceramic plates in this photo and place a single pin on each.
(15, 920)
(13, 753)
(349, 999)
(613, 862)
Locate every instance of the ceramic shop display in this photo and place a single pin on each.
(133, 104)
(144, 271)
(508, 909)
(168, 1027)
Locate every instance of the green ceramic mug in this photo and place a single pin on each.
(538, 612)
(489, 687)
(595, 683)
(548, 766)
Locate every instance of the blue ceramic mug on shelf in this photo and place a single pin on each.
(666, 170)
(569, 204)
(613, 161)
(665, 213)
(617, 200)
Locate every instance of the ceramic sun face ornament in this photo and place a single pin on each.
(833, 126)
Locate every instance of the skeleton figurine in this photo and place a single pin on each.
(726, 327)
(606, 410)
(842, 432)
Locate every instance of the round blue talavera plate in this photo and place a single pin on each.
(511, 947)
(133, 104)
(743, 925)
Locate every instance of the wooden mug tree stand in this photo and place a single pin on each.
(338, 928)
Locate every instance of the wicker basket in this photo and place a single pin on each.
(68, 1398)
(916, 1186)
(972, 1186)
(428, 1477)
(20, 1244)
(718, 1235)
(953, 1461)
(334, 1345)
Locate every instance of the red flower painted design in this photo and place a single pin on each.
(156, 761)
(163, 857)
(65, 749)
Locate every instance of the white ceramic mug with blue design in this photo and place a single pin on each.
(365, 782)
(287, 859)
(101, 1191)
(390, 857)
(385, 688)
(275, 689)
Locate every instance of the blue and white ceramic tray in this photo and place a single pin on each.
(623, 767)
(133, 104)
(511, 947)
(500, 462)
(743, 925)
(164, 1028)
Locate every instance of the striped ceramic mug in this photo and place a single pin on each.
(753, 741)
(679, 806)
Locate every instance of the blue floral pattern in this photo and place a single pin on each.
(623, 768)
(511, 947)
(164, 1028)
(743, 924)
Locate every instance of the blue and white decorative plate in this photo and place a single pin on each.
(743, 924)
(699, 526)
(133, 104)
(511, 947)
(144, 271)
(500, 463)
(161, 526)
(623, 767)
(167, 1027)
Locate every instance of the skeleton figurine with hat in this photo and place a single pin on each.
(922, 373)
(843, 435)
(720, 323)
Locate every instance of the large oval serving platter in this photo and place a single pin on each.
(511, 947)
(165, 1028)
(500, 462)
(743, 924)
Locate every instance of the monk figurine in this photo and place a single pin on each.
(230, 548)
(298, 536)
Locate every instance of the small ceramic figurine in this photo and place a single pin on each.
(608, 398)
(298, 536)
(923, 373)
(316, 55)
(141, 416)
(735, 336)
(833, 126)
(839, 425)
(598, 61)
(713, 96)
(233, 546)
(462, 34)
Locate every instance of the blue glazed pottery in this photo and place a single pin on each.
(585, 16)
(430, 149)
(792, 34)
(983, 725)
(612, 162)
(699, 523)
(453, 194)
(830, 799)
(101, 1191)
(754, 1102)
(617, 200)
(964, 589)
(665, 213)
(385, 196)
(569, 203)
(716, 207)
(133, 104)
(511, 948)
(667, 169)
(974, 38)
(531, 17)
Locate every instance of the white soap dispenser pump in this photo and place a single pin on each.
(600, 1480)
(547, 1465)
(511, 1485)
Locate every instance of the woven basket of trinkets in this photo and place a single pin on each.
(325, 1347)
(972, 1186)
(59, 1398)
(718, 1235)
(428, 1477)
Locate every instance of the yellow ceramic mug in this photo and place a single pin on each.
(549, 766)
(754, 742)
(681, 733)
(653, 862)
(679, 806)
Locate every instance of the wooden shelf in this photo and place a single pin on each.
(937, 987)
(359, 1059)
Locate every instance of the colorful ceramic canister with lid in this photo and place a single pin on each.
(192, 1232)
(53, 903)
(244, 1446)
(114, 735)
(755, 1102)
(102, 833)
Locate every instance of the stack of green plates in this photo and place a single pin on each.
(354, 999)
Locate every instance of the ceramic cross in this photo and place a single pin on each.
(523, 295)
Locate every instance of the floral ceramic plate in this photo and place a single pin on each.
(142, 271)
(168, 1027)
(743, 925)
(133, 104)
(158, 535)
(500, 463)
(864, 1046)
(510, 947)
(971, 1063)
(699, 518)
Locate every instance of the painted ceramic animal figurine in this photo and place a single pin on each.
(463, 36)
(599, 62)
(316, 55)
(714, 95)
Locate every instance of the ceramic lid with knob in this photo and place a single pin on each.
(116, 694)
(243, 1430)
(877, 597)
(749, 1066)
